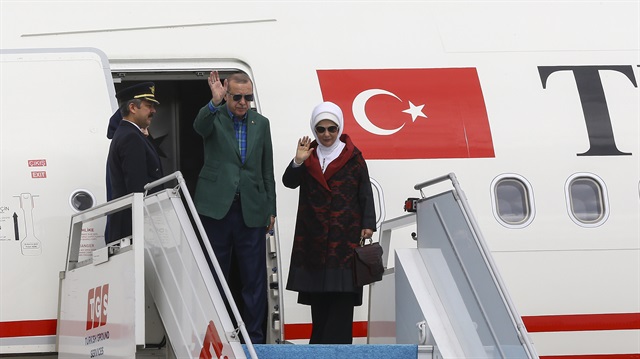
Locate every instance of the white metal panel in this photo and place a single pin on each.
(53, 110)
(381, 328)
(417, 300)
(98, 322)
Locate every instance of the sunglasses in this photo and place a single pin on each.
(331, 129)
(237, 98)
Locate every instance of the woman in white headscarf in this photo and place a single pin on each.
(335, 209)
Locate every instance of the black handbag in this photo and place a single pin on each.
(367, 263)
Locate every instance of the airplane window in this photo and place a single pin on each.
(586, 200)
(512, 202)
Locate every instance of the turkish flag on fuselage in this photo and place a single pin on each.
(411, 113)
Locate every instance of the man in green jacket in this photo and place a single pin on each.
(235, 193)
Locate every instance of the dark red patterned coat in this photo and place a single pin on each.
(333, 208)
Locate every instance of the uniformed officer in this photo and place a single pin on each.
(133, 161)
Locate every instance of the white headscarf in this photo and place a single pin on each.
(327, 111)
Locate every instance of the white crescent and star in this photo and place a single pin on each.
(361, 117)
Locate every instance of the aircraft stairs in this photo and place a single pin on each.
(446, 293)
(153, 294)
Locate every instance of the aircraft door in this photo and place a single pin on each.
(181, 94)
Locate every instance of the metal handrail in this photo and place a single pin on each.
(481, 242)
(196, 218)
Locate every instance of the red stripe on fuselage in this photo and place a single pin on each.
(594, 356)
(582, 322)
(28, 328)
(534, 324)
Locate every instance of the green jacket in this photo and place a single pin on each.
(223, 172)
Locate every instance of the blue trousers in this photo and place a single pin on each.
(231, 237)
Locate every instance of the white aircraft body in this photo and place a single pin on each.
(534, 105)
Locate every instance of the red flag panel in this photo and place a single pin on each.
(411, 113)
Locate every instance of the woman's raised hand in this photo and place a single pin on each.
(303, 150)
